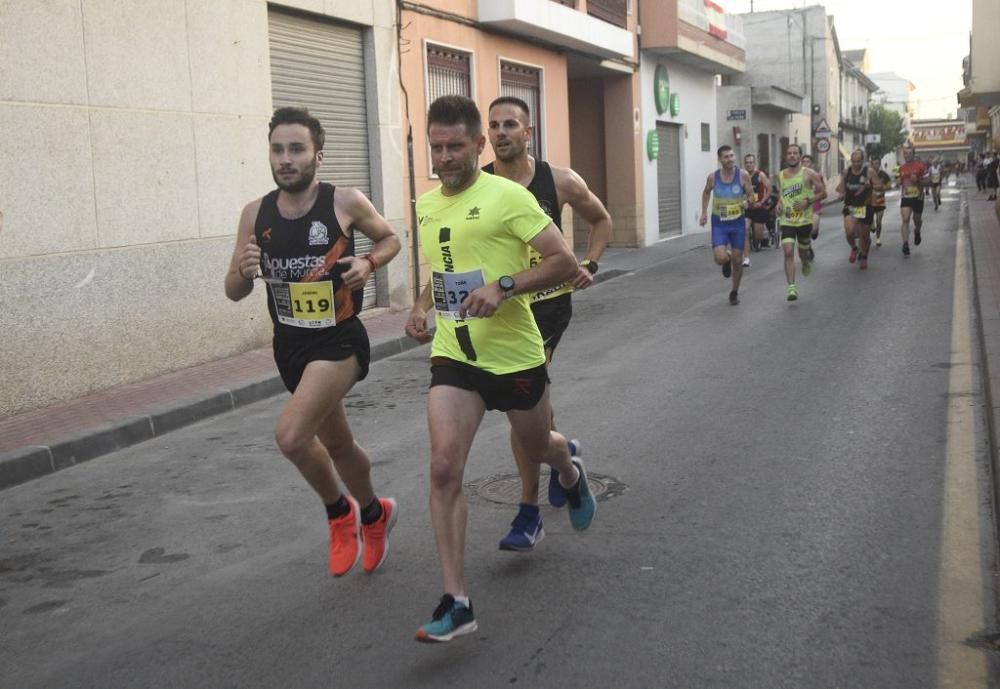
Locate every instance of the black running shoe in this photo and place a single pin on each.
(916, 236)
(734, 298)
(727, 268)
(906, 248)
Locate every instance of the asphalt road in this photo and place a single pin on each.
(780, 512)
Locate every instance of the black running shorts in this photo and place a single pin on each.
(800, 233)
(293, 353)
(552, 316)
(522, 390)
(916, 204)
(759, 215)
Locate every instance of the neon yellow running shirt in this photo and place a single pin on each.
(794, 189)
(473, 239)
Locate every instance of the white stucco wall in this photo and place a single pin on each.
(697, 105)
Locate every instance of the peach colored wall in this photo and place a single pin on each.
(487, 50)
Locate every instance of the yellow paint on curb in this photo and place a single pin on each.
(960, 599)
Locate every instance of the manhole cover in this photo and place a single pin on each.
(505, 489)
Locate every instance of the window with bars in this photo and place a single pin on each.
(525, 83)
(449, 73)
(706, 137)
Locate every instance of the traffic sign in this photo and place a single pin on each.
(822, 145)
(823, 130)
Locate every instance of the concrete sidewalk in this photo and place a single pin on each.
(979, 218)
(41, 441)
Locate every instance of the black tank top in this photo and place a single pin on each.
(543, 187)
(855, 193)
(305, 249)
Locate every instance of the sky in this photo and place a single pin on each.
(921, 40)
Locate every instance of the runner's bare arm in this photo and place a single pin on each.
(819, 187)
(765, 182)
(573, 190)
(361, 215)
(705, 196)
(416, 324)
(747, 188)
(245, 261)
(842, 186)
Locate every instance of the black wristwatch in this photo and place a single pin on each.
(506, 283)
(590, 265)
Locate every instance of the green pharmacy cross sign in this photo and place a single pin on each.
(661, 89)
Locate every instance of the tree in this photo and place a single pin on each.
(889, 125)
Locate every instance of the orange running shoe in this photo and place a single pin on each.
(375, 536)
(345, 545)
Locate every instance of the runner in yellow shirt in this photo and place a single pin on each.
(487, 352)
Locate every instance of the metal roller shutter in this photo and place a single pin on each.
(319, 65)
(668, 178)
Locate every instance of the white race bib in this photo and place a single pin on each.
(451, 289)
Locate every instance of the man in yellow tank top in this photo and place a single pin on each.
(800, 189)
(487, 353)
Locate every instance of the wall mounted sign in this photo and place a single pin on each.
(675, 104)
(736, 115)
(652, 145)
(661, 89)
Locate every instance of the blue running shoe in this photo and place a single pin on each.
(582, 506)
(450, 619)
(557, 494)
(525, 531)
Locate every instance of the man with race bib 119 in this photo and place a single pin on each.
(299, 241)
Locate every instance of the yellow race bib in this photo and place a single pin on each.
(303, 304)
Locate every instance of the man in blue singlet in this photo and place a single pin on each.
(731, 193)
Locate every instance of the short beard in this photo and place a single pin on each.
(299, 185)
(513, 153)
(462, 175)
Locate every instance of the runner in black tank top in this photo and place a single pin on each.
(856, 188)
(509, 132)
(292, 240)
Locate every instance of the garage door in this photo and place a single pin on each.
(319, 65)
(668, 178)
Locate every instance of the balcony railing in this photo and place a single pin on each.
(612, 11)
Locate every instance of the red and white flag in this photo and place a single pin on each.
(716, 20)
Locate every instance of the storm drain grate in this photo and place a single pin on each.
(505, 489)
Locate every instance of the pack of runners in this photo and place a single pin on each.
(739, 207)
(500, 291)
(501, 295)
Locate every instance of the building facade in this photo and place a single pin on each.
(574, 63)
(940, 138)
(794, 79)
(685, 44)
(981, 74)
(154, 121)
(856, 98)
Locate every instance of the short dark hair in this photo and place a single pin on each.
(723, 149)
(511, 100)
(450, 110)
(750, 155)
(790, 146)
(298, 116)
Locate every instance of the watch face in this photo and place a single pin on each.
(506, 283)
